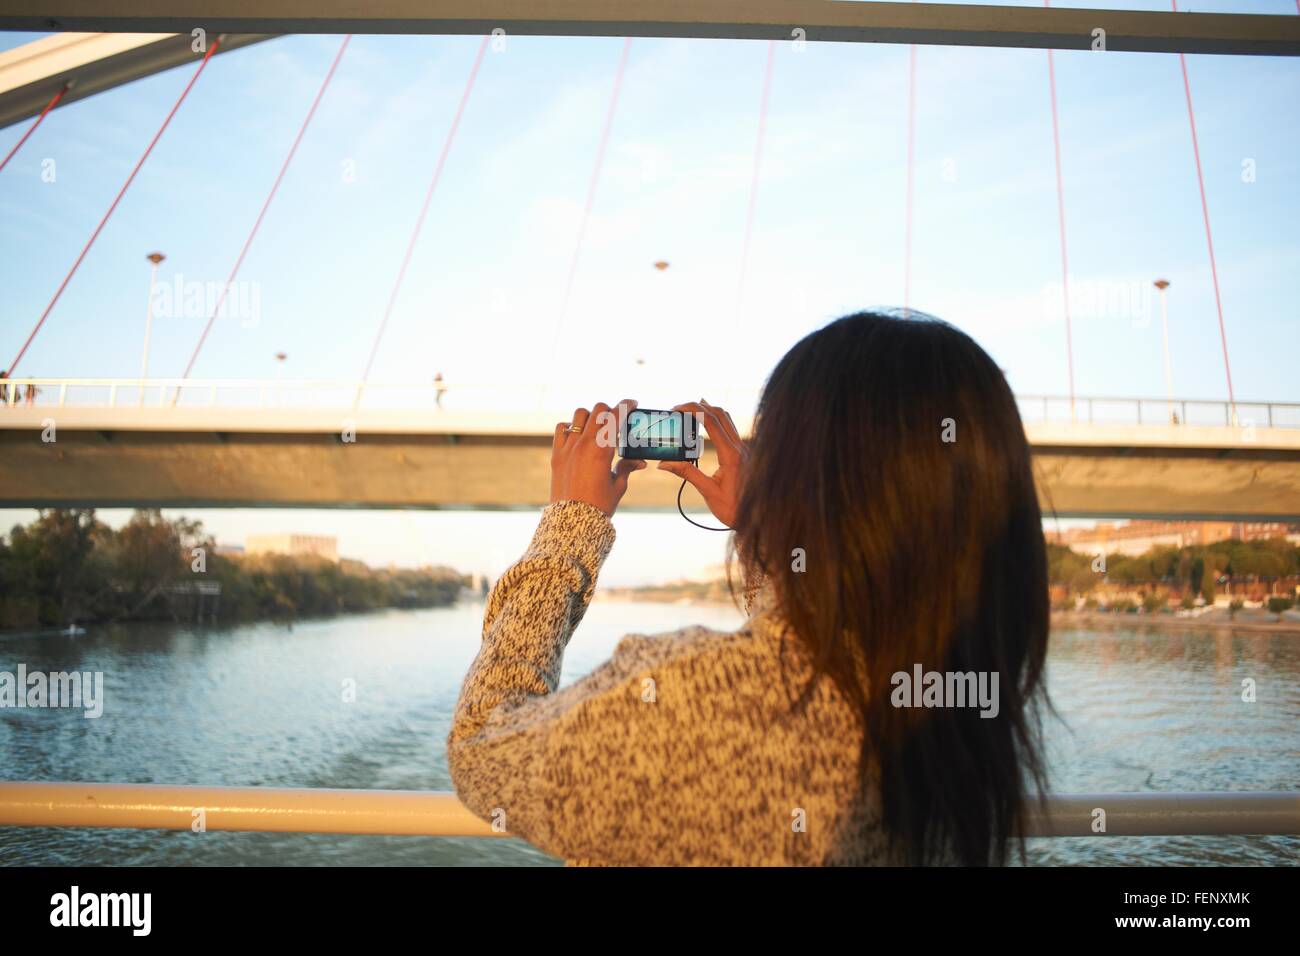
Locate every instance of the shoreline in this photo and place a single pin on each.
(286, 622)
(625, 597)
(1096, 620)
(1167, 622)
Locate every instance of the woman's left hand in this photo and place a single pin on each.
(580, 460)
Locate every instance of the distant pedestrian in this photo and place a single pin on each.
(31, 393)
(4, 389)
(439, 389)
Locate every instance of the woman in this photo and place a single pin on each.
(887, 529)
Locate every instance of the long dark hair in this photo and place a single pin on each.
(890, 450)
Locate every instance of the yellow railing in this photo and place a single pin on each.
(432, 813)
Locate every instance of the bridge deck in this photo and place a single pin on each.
(267, 457)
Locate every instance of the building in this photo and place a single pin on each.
(1263, 530)
(317, 545)
(1138, 537)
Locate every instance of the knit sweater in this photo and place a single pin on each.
(682, 749)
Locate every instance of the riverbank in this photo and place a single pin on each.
(68, 567)
(712, 594)
(1215, 623)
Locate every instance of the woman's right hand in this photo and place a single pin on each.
(721, 490)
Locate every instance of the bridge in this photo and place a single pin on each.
(403, 460)
(464, 445)
(184, 442)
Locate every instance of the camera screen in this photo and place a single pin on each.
(654, 429)
(662, 435)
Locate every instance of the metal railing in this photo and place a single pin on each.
(433, 813)
(324, 393)
(1094, 410)
(475, 394)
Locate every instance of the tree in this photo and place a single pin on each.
(1276, 605)
(148, 557)
(1196, 574)
(53, 562)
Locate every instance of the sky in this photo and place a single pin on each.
(483, 298)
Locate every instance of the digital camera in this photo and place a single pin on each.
(659, 435)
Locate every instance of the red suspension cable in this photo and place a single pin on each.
(424, 209)
(120, 193)
(591, 194)
(1060, 211)
(1205, 213)
(54, 101)
(911, 168)
(753, 185)
(239, 261)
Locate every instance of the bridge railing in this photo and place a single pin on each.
(335, 393)
(434, 813)
(506, 395)
(1095, 410)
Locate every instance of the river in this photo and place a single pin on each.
(263, 705)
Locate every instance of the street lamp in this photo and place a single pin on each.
(279, 376)
(661, 297)
(1162, 285)
(155, 259)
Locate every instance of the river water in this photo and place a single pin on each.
(263, 705)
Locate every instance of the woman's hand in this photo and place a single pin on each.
(580, 460)
(721, 490)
